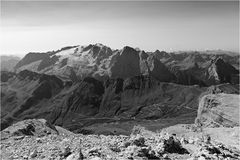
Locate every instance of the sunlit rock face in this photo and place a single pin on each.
(219, 110)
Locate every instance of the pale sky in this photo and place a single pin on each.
(170, 26)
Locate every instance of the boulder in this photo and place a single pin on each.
(173, 145)
(30, 127)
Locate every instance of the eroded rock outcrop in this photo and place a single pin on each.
(30, 127)
(219, 110)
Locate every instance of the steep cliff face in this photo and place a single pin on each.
(189, 77)
(80, 101)
(196, 70)
(221, 72)
(159, 71)
(145, 97)
(43, 59)
(126, 64)
(219, 110)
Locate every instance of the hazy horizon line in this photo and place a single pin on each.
(21, 55)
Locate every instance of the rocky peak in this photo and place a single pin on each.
(44, 60)
(100, 51)
(126, 64)
(224, 70)
(161, 54)
(127, 50)
(100, 45)
(158, 70)
(219, 61)
(143, 55)
(31, 57)
(87, 48)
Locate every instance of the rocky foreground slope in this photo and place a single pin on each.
(35, 139)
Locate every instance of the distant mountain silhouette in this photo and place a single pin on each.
(8, 62)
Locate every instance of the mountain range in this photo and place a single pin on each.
(101, 62)
(96, 89)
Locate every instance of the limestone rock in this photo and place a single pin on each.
(219, 110)
(37, 127)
